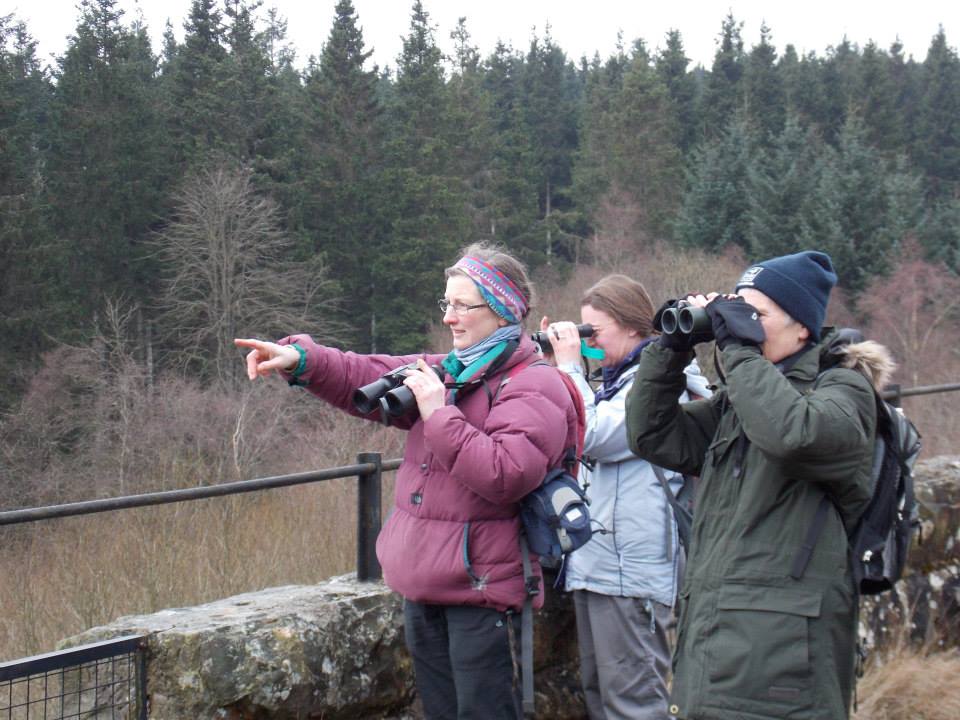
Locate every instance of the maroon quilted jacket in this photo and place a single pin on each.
(453, 535)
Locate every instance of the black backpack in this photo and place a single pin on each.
(880, 540)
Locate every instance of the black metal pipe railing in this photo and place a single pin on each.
(894, 391)
(368, 471)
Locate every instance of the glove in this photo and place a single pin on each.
(678, 342)
(734, 320)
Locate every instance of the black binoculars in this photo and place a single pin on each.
(541, 338)
(685, 319)
(389, 394)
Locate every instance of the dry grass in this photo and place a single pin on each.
(61, 577)
(911, 687)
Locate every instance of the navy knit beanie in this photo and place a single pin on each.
(798, 283)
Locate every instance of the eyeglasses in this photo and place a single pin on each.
(457, 307)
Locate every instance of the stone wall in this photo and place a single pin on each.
(335, 650)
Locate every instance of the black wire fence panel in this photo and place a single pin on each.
(105, 681)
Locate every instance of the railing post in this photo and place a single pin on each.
(368, 517)
(141, 675)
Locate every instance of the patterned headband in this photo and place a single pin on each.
(498, 291)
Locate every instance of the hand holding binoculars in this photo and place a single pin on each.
(389, 394)
(686, 319)
(542, 338)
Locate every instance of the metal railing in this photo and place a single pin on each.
(102, 680)
(893, 393)
(368, 470)
(108, 679)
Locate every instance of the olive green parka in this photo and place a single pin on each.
(753, 643)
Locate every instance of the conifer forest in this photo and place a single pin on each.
(217, 187)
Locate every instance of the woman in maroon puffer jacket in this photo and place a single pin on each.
(479, 441)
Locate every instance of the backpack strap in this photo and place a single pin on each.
(802, 558)
(532, 584)
(681, 515)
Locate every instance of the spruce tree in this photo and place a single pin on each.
(514, 180)
(763, 89)
(32, 261)
(937, 144)
(716, 207)
(671, 65)
(107, 162)
(550, 96)
(632, 148)
(340, 161)
(876, 100)
(723, 92)
(851, 219)
(422, 197)
(196, 109)
(782, 181)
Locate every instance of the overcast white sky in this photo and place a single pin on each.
(578, 26)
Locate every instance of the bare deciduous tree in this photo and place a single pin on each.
(913, 312)
(230, 274)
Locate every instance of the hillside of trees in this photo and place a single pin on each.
(211, 188)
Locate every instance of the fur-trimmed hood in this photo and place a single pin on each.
(849, 349)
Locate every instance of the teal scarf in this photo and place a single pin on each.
(490, 348)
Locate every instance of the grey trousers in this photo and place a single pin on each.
(624, 656)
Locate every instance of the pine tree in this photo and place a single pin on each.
(723, 91)
(422, 196)
(782, 181)
(876, 100)
(341, 156)
(838, 77)
(671, 65)
(107, 165)
(473, 151)
(630, 148)
(937, 145)
(549, 102)
(853, 222)
(763, 89)
(715, 211)
(802, 89)
(31, 260)
(195, 106)
(598, 131)
(514, 212)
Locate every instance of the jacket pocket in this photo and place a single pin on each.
(719, 448)
(760, 649)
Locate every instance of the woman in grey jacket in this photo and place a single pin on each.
(625, 579)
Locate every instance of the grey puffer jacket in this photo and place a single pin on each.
(638, 554)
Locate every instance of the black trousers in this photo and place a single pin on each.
(462, 657)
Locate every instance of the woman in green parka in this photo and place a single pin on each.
(787, 425)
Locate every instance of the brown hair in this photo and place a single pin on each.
(623, 299)
(504, 262)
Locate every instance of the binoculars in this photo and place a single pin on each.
(686, 319)
(541, 338)
(389, 394)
